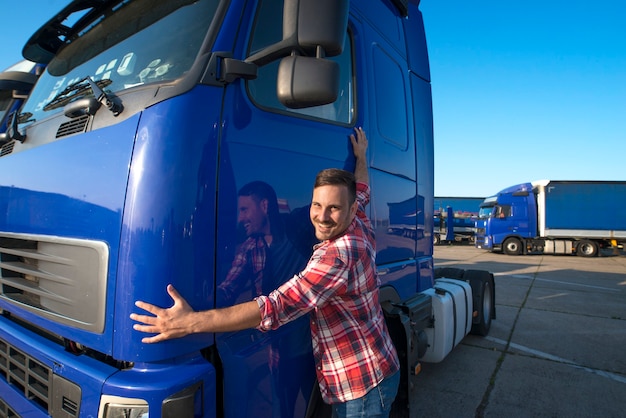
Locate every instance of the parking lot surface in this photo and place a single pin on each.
(556, 349)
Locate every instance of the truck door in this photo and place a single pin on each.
(263, 142)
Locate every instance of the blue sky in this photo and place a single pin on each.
(522, 91)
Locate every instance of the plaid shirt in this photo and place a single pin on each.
(339, 287)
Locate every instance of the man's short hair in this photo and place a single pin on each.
(337, 177)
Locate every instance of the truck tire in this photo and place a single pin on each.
(587, 248)
(512, 246)
(436, 239)
(483, 297)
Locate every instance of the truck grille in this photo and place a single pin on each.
(61, 279)
(26, 374)
(6, 411)
(56, 395)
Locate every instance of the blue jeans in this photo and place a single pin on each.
(376, 403)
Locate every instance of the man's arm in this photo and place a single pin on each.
(180, 319)
(359, 146)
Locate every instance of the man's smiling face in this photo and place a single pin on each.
(331, 212)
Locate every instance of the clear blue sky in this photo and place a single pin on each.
(522, 91)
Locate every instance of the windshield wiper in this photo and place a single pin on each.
(101, 96)
(80, 89)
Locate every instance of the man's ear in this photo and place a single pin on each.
(354, 208)
(264, 205)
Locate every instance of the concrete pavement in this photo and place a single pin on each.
(556, 349)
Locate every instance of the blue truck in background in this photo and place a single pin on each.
(554, 217)
(15, 85)
(461, 213)
(122, 176)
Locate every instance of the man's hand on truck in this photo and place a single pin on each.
(180, 319)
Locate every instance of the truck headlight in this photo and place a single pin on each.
(118, 407)
(188, 402)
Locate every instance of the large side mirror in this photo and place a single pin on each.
(307, 81)
(310, 27)
(19, 82)
(318, 28)
(312, 31)
(314, 24)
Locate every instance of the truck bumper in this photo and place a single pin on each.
(484, 242)
(39, 378)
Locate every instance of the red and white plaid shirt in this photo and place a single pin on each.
(339, 287)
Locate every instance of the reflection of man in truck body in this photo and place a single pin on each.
(266, 258)
(263, 261)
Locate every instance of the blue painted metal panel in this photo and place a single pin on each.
(169, 218)
(73, 188)
(586, 205)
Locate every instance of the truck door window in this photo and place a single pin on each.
(501, 212)
(262, 90)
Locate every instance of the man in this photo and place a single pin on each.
(356, 362)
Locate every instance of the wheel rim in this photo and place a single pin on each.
(512, 246)
(587, 248)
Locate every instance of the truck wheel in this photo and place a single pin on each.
(512, 246)
(436, 239)
(483, 289)
(586, 248)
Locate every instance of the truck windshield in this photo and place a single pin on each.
(127, 48)
(485, 212)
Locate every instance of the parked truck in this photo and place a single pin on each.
(454, 219)
(554, 217)
(122, 176)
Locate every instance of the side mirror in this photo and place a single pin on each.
(19, 82)
(316, 28)
(307, 81)
(310, 27)
(314, 24)
(312, 31)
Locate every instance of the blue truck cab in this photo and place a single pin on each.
(511, 215)
(123, 176)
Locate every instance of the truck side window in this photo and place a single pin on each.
(502, 211)
(268, 30)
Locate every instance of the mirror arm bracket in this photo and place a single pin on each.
(223, 69)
